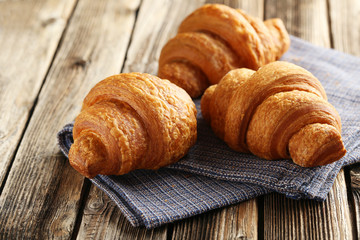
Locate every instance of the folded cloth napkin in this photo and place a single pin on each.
(211, 175)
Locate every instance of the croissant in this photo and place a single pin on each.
(215, 39)
(279, 111)
(132, 121)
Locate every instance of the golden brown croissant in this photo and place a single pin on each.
(132, 121)
(279, 111)
(215, 39)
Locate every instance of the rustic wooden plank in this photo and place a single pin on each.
(290, 219)
(355, 194)
(234, 222)
(42, 194)
(306, 19)
(239, 221)
(102, 219)
(345, 25)
(345, 32)
(29, 35)
(157, 22)
(307, 219)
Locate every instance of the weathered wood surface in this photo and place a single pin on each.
(43, 197)
(156, 23)
(29, 35)
(355, 194)
(344, 17)
(42, 194)
(238, 221)
(307, 19)
(307, 219)
(102, 219)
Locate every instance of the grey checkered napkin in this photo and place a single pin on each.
(211, 175)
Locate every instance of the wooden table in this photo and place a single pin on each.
(52, 52)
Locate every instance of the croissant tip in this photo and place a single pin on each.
(326, 149)
(333, 158)
(86, 155)
(82, 169)
(80, 165)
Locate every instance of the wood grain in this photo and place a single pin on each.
(344, 17)
(308, 219)
(29, 35)
(307, 19)
(157, 22)
(286, 218)
(42, 194)
(345, 31)
(355, 194)
(102, 219)
(234, 222)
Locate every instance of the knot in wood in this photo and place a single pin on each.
(80, 62)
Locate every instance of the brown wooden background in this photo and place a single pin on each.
(52, 52)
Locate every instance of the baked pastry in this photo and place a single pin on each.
(215, 39)
(279, 111)
(132, 121)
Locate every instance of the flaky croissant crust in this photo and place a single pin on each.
(279, 111)
(132, 121)
(215, 39)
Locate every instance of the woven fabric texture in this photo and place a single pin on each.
(211, 175)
